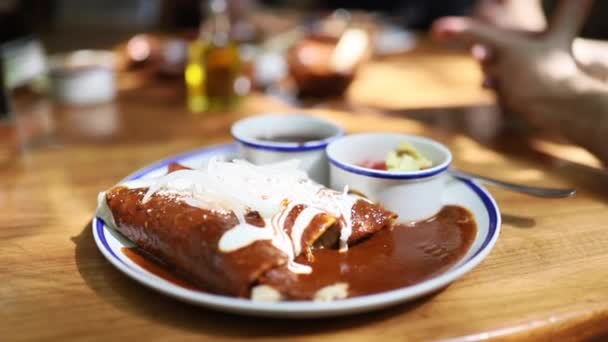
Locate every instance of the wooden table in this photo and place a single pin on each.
(546, 278)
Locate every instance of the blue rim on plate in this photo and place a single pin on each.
(299, 309)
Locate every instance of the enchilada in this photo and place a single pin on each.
(227, 225)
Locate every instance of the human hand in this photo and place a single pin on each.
(513, 14)
(531, 72)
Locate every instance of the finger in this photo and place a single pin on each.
(490, 69)
(568, 20)
(488, 83)
(482, 53)
(490, 75)
(471, 31)
(486, 59)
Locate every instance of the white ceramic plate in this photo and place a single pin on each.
(462, 192)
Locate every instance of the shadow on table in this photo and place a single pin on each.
(518, 221)
(127, 295)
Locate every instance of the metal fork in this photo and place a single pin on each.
(525, 189)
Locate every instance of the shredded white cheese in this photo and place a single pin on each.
(272, 190)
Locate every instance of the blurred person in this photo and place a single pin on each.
(413, 14)
(547, 77)
(521, 14)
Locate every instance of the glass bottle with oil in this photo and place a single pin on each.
(214, 71)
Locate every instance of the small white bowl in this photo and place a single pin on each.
(84, 77)
(414, 195)
(250, 135)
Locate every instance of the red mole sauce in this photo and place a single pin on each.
(156, 267)
(387, 260)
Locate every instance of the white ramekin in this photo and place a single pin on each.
(247, 133)
(414, 195)
(84, 77)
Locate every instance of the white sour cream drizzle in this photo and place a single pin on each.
(272, 190)
(300, 225)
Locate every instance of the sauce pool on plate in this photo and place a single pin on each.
(156, 267)
(390, 259)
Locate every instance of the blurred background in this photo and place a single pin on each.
(75, 70)
(73, 24)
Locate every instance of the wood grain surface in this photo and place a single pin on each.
(547, 277)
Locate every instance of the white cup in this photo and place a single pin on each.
(253, 137)
(414, 195)
(84, 77)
